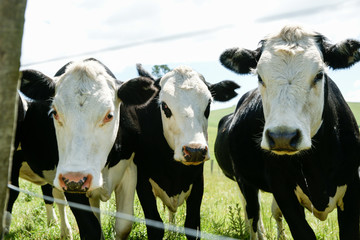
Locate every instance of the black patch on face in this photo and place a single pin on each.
(207, 110)
(166, 109)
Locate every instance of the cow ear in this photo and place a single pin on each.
(137, 91)
(241, 61)
(341, 55)
(62, 70)
(37, 85)
(142, 72)
(224, 90)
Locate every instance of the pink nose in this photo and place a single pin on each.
(75, 182)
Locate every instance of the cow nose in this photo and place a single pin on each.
(282, 140)
(75, 182)
(195, 153)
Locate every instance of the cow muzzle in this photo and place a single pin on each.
(194, 154)
(283, 141)
(75, 182)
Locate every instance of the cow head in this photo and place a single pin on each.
(85, 111)
(185, 98)
(291, 67)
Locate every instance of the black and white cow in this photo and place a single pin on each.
(20, 168)
(294, 135)
(170, 142)
(72, 139)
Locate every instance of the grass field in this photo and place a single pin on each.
(221, 211)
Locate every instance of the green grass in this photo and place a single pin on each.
(221, 210)
(355, 108)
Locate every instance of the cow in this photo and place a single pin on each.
(169, 139)
(294, 135)
(72, 139)
(20, 168)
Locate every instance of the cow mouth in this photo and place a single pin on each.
(192, 163)
(284, 151)
(75, 191)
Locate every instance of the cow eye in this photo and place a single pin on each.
(53, 113)
(207, 110)
(318, 77)
(166, 110)
(261, 81)
(108, 117)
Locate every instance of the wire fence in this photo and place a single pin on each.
(149, 222)
(128, 217)
(134, 44)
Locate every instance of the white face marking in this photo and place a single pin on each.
(86, 120)
(291, 81)
(335, 201)
(171, 202)
(186, 99)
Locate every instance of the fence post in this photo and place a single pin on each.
(11, 31)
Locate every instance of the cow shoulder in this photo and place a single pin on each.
(41, 154)
(337, 112)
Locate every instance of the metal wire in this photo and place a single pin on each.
(128, 217)
(135, 43)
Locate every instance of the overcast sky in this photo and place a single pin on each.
(121, 33)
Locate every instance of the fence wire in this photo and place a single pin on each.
(150, 222)
(128, 217)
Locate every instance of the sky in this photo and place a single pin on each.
(121, 33)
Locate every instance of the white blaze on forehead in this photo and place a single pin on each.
(187, 96)
(85, 94)
(288, 65)
(83, 84)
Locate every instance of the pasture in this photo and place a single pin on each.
(221, 211)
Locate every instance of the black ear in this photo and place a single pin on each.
(137, 91)
(341, 55)
(224, 90)
(240, 60)
(37, 85)
(62, 70)
(142, 72)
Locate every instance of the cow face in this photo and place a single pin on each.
(185, 100)
(185, 107)
(291, 81)
(291, 68)
(86, 115)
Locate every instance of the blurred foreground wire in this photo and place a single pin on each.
(149, 222)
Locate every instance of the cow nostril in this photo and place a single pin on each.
(270, 139)
(186, 152)
(295, 138)
(65, 180)
(204, 151)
